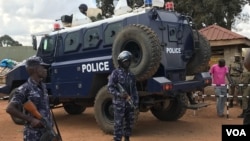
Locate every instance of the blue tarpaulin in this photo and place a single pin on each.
(8, 63)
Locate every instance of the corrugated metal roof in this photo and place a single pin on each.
(215, 32)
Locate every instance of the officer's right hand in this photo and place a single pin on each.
(233, 84)
(125, 96)
(36, 123)
(128, 97)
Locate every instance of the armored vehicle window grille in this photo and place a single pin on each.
(111, 31)
(48, 45)
(72, 42)
(91, 38)
(172, 34)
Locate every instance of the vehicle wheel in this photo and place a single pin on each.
(199, 61)
(171, 109)
(145, 47)
(19, 107)
(104, 112)
(73, 109)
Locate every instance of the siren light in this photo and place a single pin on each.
(148, 3)
(56, 26)
(169, 6)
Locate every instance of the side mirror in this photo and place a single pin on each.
(34, 42)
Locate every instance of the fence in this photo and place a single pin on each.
(201, 96)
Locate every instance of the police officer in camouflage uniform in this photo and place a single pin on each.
(235, 71)
(33, 90)
(246, 120)
(122, 109)
(245, 79)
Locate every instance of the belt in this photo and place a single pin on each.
(235, 75)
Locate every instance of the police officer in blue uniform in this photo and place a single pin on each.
(33, 90)
(122, 109)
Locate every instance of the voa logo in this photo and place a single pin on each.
(173, 50)
(95, 67)
(236, 132)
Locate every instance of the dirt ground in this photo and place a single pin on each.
(200, 125)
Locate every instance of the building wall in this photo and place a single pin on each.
(228, 54)
(16, 53)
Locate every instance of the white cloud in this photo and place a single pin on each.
(20, 19)
(244, 28)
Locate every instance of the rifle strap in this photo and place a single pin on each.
(57, 129)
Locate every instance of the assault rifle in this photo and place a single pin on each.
(50, 134)
(129, 100)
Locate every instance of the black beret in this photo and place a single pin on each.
(35, 61)
(84, 7)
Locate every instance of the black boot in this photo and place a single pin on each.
(126, 138)
(193, 102)
(231, 104)
(240, 102)
(242, 114)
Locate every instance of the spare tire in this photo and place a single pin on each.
(145, 47)
(200, 60)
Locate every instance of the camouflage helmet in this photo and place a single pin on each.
(124, 56)
(124, 59)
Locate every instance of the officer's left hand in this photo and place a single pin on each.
(35, 123)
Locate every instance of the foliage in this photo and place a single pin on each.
(106, 6)
(6, 40)
(208, 12)
(204, 12)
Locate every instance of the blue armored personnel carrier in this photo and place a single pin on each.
(166, 47)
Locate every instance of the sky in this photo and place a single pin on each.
(244, 28)
(20, 19)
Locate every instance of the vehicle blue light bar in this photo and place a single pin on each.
(148, 3)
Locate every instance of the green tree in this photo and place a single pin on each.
(208, 12)
(106, 6)
(204, 12)
(6, 40)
